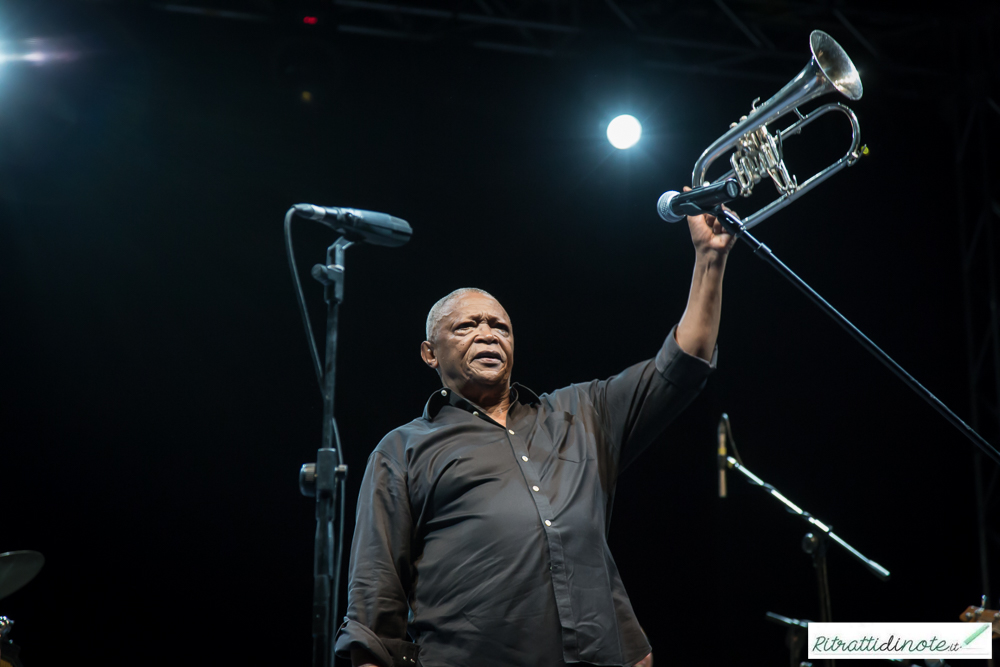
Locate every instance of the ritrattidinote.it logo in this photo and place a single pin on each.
(900, 640)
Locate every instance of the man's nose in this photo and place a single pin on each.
(484, 333)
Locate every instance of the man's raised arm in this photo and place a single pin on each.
(699, 326)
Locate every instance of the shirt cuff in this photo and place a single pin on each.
(680, 368)
(354, 636)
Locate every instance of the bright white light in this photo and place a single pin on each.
(624, 132)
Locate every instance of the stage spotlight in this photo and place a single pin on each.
(624, 132)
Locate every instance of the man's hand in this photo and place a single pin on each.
(708, 234)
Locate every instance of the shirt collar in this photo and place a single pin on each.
(444, 396)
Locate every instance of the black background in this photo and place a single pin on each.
(157, 393)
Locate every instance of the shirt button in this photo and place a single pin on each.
(548, 523)
(475, 414)
(510, 431)
(444, 392)
(535, 488)
(524, 458)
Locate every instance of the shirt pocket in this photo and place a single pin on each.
(567, 443)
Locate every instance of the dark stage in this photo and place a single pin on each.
(157, 396)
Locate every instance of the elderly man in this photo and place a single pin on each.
(481, 526)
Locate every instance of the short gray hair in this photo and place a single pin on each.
(434, 316)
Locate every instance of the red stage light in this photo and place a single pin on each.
(310, 20)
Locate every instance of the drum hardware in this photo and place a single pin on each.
(17, 568)
(981, 614)
(9, 651)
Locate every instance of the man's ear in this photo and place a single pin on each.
(428, 355)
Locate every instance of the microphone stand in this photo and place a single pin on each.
(735, 227)
(795, 636)
(814, 543)
(326, 479)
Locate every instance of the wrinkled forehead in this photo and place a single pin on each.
(473, 305)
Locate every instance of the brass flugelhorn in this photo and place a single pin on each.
(758, 153)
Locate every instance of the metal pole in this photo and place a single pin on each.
(735, 227)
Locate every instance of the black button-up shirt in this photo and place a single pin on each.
(487, 544)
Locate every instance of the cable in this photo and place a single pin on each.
(338, 562)
(732, 443)
(317, 366)
(341, 484)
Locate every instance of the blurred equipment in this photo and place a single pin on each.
(721, 433)
(17, 568)
(795, 638)
(9, 651)
(982, 615)
(760, 153)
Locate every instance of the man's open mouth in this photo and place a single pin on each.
(488, 357)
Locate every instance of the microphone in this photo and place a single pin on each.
(673, 206)
(358, 225)
(722, 431)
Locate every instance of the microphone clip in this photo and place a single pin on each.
(331, 275)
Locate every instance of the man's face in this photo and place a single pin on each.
(473, 345)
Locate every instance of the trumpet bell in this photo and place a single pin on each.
(837, 68)
(759, 153)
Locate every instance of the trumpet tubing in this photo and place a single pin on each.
(758, 152)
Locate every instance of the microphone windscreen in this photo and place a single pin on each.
(663, 207)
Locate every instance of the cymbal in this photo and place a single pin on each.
(18, 568)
